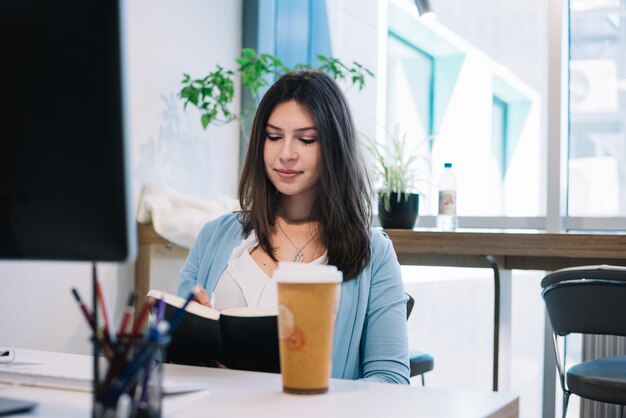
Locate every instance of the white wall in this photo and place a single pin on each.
(164, 38)
(354, 36)
(38, 310)
(167, 38)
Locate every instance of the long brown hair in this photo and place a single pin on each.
(343, 204)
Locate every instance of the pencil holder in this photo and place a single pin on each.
(129, 378)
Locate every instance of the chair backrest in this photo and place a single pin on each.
(409, 305)
(587, 300)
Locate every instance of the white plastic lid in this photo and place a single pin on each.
(289, 272)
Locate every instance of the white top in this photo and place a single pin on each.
(243, 283)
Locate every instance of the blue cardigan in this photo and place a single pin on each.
(370, 339)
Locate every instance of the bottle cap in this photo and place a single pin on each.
(447, 165)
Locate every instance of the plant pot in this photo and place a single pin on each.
(402, 214)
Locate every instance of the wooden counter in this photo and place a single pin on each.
(513, 250)
(518, 249)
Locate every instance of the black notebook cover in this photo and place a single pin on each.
(242, 339)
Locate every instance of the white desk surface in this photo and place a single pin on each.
(235, 393)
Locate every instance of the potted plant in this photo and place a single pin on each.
(213, 93)
(399, 174)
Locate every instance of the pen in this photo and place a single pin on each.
(148, 373)
(123, 348)
(160, 309)
(124, 406)
(98, 334)
(179, 313)
(128, 313)
(121, 383)
(84, 308)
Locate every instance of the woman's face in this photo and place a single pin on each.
(292, 151)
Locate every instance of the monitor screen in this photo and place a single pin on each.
(64, 189)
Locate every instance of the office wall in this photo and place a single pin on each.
(355, 30)
(164, 38)
(167, 38)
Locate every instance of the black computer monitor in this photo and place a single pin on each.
(64, 188)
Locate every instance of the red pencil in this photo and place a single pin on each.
(105, 313)
(141, 319)
(128, 314)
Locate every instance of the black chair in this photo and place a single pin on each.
(419, 361)
(588, 300)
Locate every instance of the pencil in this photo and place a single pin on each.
(128, 313)
(141, 319)
(105, 313)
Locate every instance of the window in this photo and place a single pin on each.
(517, 163)
(495, 146)
(597, 141)
(534, 122)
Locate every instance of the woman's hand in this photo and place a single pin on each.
(203, 298)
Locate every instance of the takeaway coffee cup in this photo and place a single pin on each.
(306, 317)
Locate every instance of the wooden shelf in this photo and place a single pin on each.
(513, 250)
(529, 251)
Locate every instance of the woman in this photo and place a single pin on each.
(305, 197)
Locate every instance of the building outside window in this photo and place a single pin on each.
(492, 99)
(597, 142)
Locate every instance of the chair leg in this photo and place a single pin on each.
(565, 402)
(423, 383)
(621, 411)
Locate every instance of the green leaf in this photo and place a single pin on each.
(205, 119)
(248, 52)
(321, 58)
(396, 168)
(213, 93)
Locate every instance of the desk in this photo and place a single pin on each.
(512, 250)
(235, 393)
(528, 251)
(469, 248)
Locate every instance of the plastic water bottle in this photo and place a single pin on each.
(446, 218)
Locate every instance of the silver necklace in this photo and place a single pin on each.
(299, 255)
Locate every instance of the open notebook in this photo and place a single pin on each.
(68, 371)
